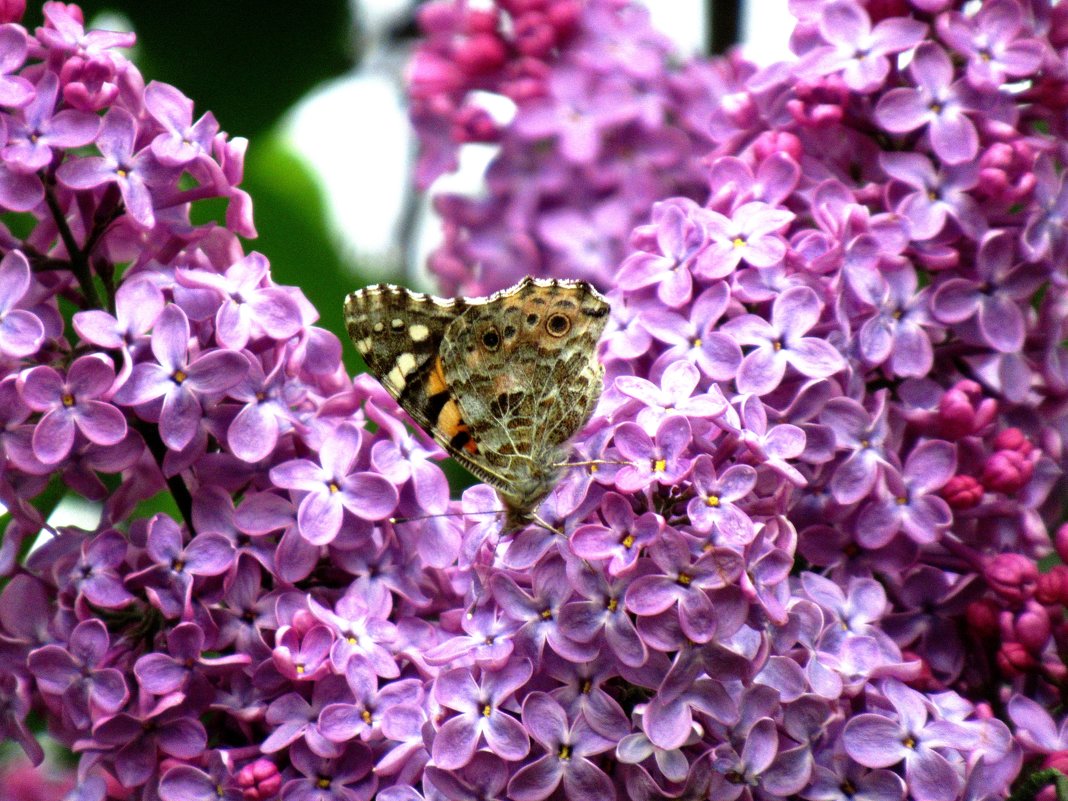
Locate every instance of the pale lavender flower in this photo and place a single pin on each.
(31, 139)
(182, 140)
(937, 102)
(995, 295)
(994, 41)
(653, 460)
(694, 337)
(856, 49)
(568, 746)
(750, 234)
(162, 673)
(603, 612)
(937, 195)
(333, 486)
(781, 342)
(345, 777)
(714, 506)
(897, 333)
(682, 243)
(138, 739)
(134, 172)
(21, 331)
(674, 396)
(621, 538)
(180, 378)
(480, 714)
(71, 403)
(863, 436)
(248, 309)
(878, 740)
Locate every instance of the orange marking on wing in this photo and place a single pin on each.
(436, 382)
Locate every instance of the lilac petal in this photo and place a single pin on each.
(209, 555)
(319, 517)
(455, 742)
(101, 423)
(736, 482)
(586, 781)
(90, 376)
(639, 389)
(217, 371)
(668, 724)
(761, 371)
(179, 418)
(925, 517)
(1002, 323)
(632, 441)
(456, 689)
(183, 738)
(853, 480)
(537, 780)
(21, 333)
(506, 737)
(815, 357)
(42, 388)
(253, 433)
(878, 523)
(54, 436)
(53, 668)
(109, 692)
(297, 474)
(277, 313)
(160, 674)
(874, 741)
(651, 595)
(89, 641)
(954, 138)
(341, 722)
(545, 719)
(186, 783)
(931, 464)
(930, 775)
(369, 496)
(146, 383)
(795, 311)
(902, 110)
(170, 338)
(625, 642)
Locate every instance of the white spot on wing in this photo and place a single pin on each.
(418, 332)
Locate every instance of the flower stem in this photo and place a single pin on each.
(179, 491)
(79, 263)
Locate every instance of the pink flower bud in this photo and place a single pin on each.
(1013, 439)
(982, 617)
(430, 75)
(1057, 760)
(1060, 542)
(963, 410)
(962, 492)
(480, 53)
(259, 780)
(1052, 587)
(534, 36)
(770, 142)
(1014, 660)
(437, 17)
(12, 10)
(474, 124)
(481, 20)
(1006, 472)
(1033, 627)
(564, 16)
(1012, 576)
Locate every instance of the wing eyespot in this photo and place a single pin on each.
(557, 324)
(491, 339)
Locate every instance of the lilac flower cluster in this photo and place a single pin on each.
(833, 418)
(801, 555)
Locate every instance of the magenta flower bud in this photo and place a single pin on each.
(962, 492)
(481, 20)
(12, 10)
(1013, 439)
(534, 36)
(963, 410)
(474, 124)
(1012, 576)
(771, 142)
(480, 53)
(259, 780)
(1052, 587)
(89, 83)
(982, 617)
(1033, 627)
(1014, 660)
(1060, 542)
(1057, 760)
(1006, 472)
(564, 15)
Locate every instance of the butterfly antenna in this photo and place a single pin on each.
(397, 520)
(591, 463)
(547, 526)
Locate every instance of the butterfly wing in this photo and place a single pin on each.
(399, 335)
(522, 366)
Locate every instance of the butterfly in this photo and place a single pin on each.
(501, 382)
